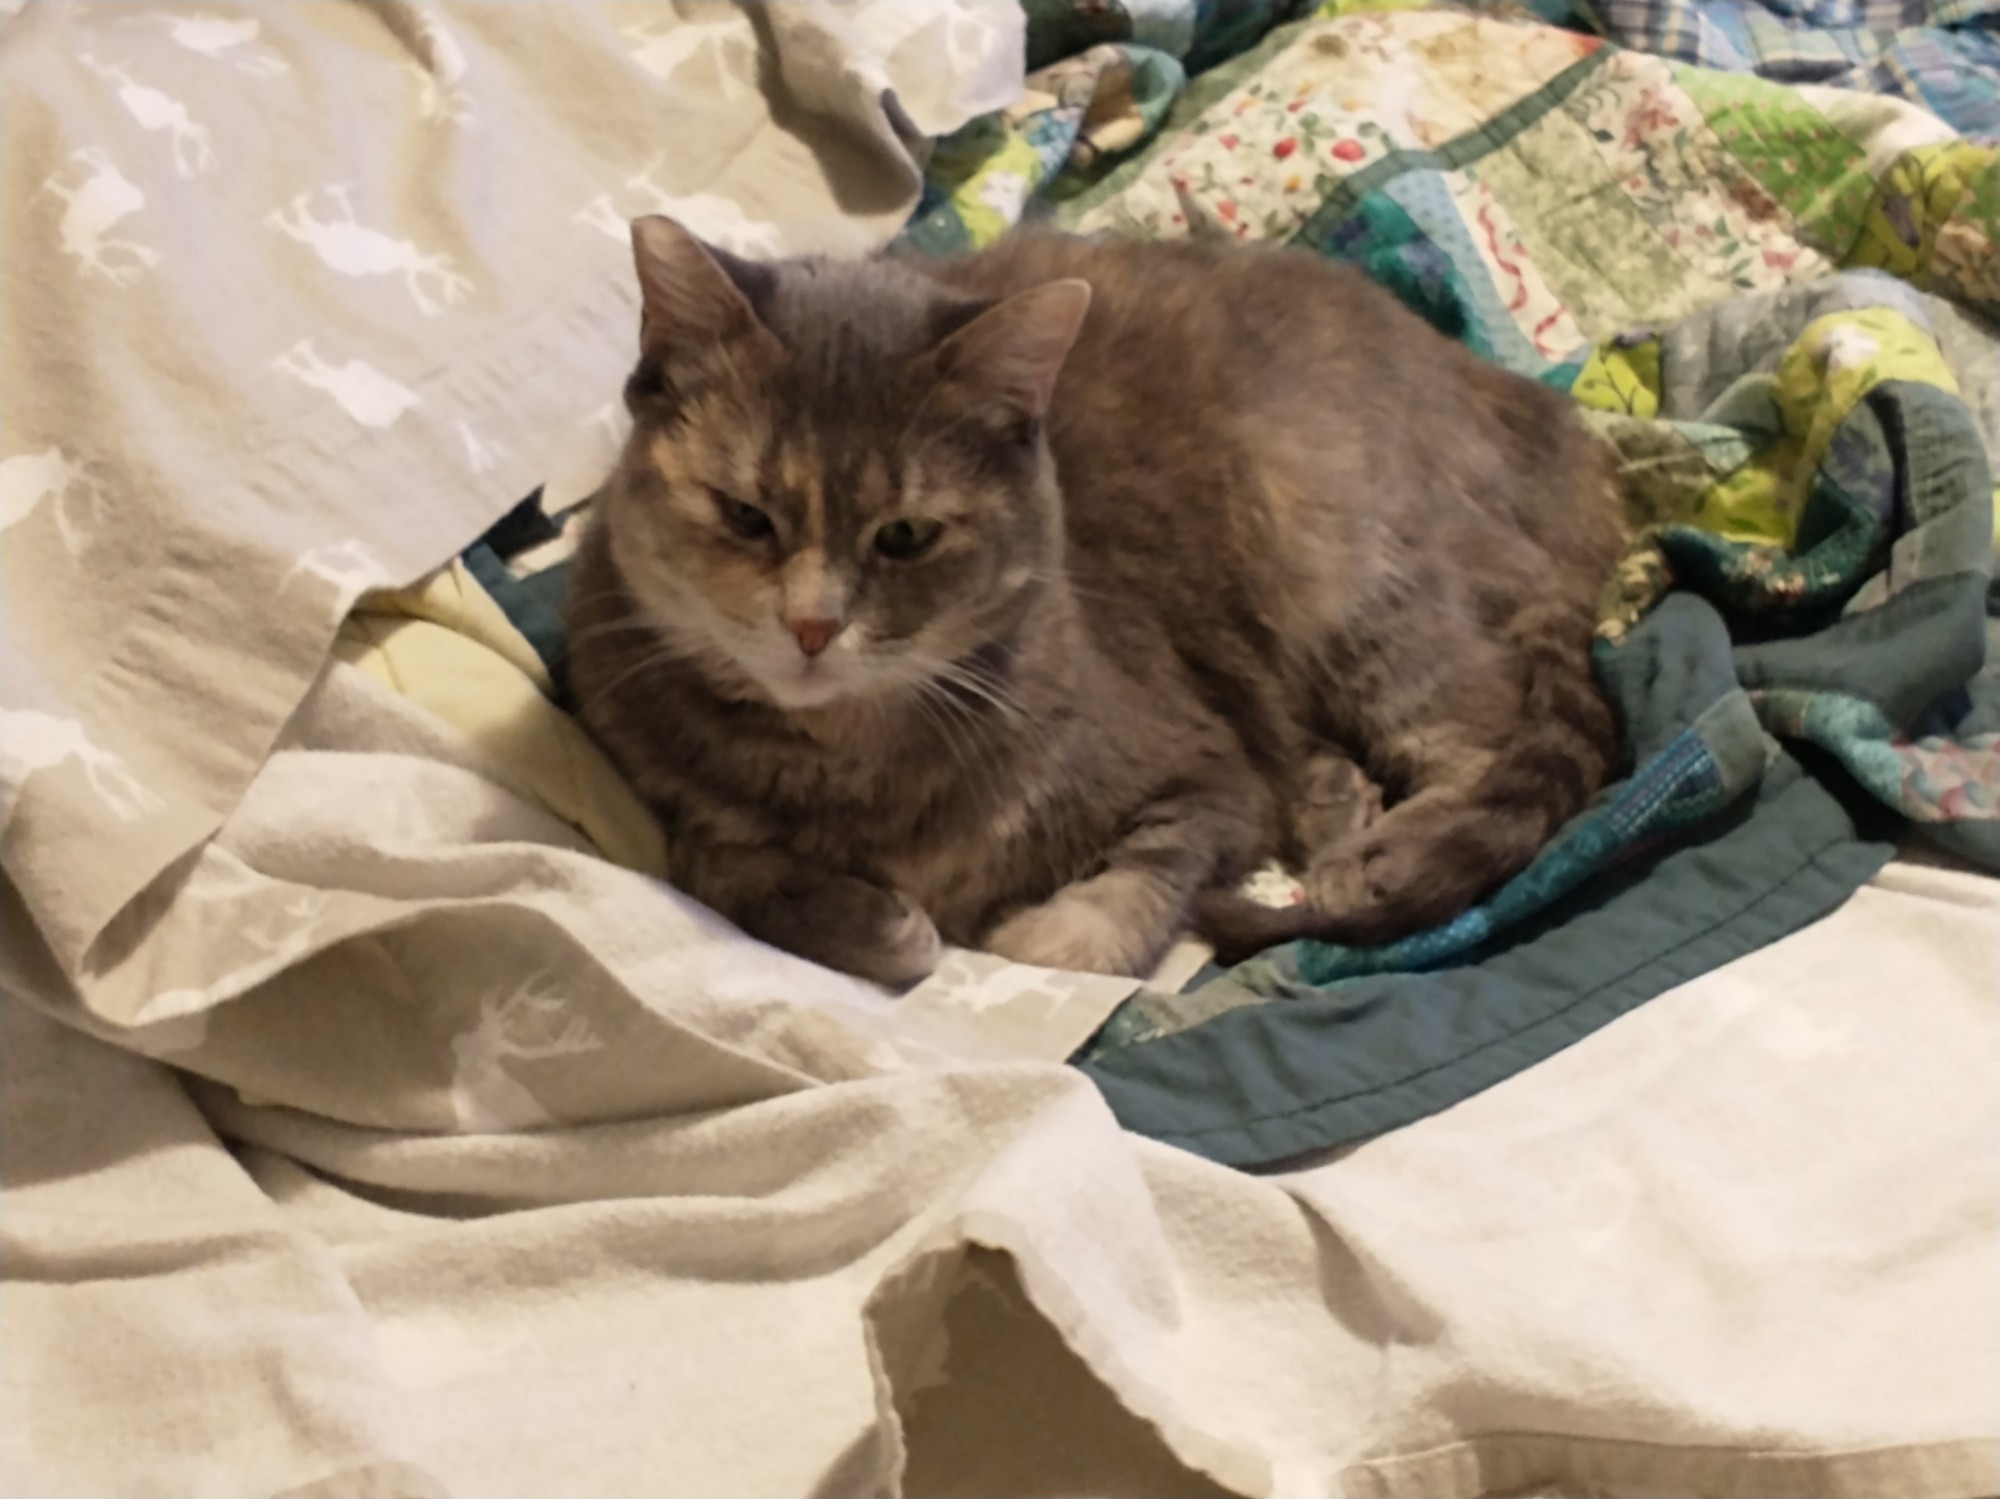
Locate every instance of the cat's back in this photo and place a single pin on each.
(1293, 391)
(1237, 427)
(1175, 314)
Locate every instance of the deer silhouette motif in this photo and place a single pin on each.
(481, 454)
(664, 50)
(526, 1024)
(281, 935)
(353, 249)
(175, 1020)
(222, 39)
(601, 214)
(349, 568)
(606, 419)
(155, 111)
(440, 74)
(722, 222)
(101, 199)
(32, 742)
(27, 479)
(364, 392)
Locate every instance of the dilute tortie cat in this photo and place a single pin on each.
(1030, 599)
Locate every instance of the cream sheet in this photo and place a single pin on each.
(363, 1132)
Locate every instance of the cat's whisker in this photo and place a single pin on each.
(1064, 580)
(662, 655)
(989, 688)
(931, 716)
(609, 627)
(1053, 842)
(981, 726)
(985, 695)
(1007, 789)
(938, 671)
(625, 595)
(989, 768)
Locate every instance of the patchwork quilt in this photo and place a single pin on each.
(1776, 302)
(373, 1122)
(1942, 54)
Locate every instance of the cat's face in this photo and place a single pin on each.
(836, 486)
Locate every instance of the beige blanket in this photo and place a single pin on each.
(297, 300)
(363, 1131)
(1739, 1242)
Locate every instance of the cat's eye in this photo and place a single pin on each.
(747, 521)
(900, 540)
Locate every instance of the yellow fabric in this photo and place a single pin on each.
(448, 647)
(1621, 378)
(1946, 191)
(1832, 365)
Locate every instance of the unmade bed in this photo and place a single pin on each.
(375, 1118)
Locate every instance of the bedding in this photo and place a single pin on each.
(1776, 303)
(373, 1121)
(1941, 54)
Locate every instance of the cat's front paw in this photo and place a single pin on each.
(872, 933)
(1079, 930)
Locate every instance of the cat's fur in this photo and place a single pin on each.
(1274, 569)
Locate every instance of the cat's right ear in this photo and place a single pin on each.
(1010, 354)
(694, 296)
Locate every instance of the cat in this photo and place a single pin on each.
(1029, 599)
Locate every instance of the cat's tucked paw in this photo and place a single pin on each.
(908, 946)
(872, 933)
(1335, 800)
(1367, 893)
(1079, 930)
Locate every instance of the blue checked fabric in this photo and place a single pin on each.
(1941, 54)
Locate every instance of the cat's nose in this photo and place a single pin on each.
(813, 635)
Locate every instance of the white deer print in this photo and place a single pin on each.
(601, 214)
(664, 50)
(364, 392)
(27, 479)
(101, 199)
(222, 39)
(526, 1024)
(176, 1020)
(610, 419)
(284, 932)
(155, 111)
(481, 454)
(32, 741)
(440, 96)
(720, 221)
(347, 567)
(353, 249)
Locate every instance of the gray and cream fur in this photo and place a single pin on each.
(1030, 599)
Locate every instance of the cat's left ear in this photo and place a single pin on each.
(1011, 354)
